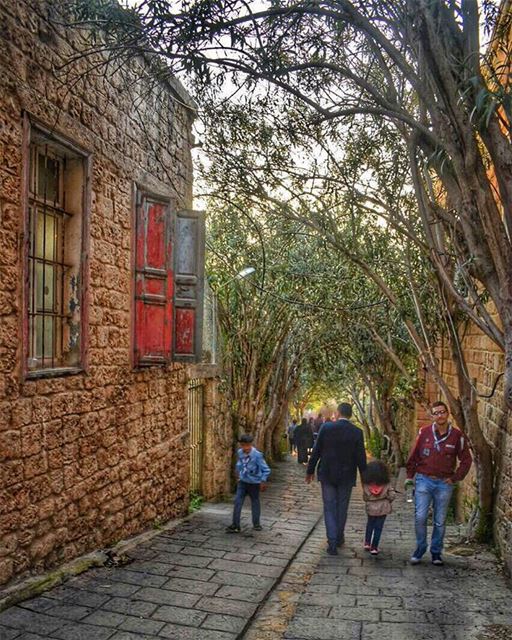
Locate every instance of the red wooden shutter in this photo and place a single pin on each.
(153, 282)
(188, 282)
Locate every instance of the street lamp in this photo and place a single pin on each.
(246, 271)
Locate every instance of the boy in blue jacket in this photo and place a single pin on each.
(252, 472)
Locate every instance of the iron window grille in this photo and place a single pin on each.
(54, 256)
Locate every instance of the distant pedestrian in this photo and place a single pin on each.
(303, 438)
(340, 451)
(311, 425)
(319, 421)
(253, 472)
(378, 495)
(291, 435)
(433, 460)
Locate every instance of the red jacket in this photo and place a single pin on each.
(440, 461)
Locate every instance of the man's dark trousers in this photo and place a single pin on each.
(336, 498)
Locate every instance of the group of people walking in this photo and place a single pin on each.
(439, 458)
(302, 437)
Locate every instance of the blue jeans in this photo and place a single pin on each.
(438, 493)
(253, 491)
(336, 499)
(374, 528)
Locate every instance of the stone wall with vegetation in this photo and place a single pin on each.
(94, 457)
(219, 446)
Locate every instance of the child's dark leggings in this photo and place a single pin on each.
(374, 528)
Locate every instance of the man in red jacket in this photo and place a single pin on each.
(433, 461)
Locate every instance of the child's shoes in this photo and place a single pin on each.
(374, 551)
(367, 546)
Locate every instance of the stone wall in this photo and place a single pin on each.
(218, 443)
(94, 457)
(219, 446)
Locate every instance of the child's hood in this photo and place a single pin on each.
(376, 490)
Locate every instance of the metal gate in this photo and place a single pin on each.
(196, 430)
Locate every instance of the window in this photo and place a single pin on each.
(169, 265)
(55, 213)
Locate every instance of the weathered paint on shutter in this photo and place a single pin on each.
(188, 283)
(153, 282)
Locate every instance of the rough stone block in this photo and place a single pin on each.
(177, 632)
(388, 631)
(323, 629)
(223, 622)
(179, 615)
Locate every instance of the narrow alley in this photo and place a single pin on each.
(196, 582)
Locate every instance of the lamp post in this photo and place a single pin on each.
(246, 271)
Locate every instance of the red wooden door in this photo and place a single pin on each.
(153, 282)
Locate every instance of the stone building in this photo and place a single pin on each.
(100, 294)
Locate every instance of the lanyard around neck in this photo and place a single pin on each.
(438, 441)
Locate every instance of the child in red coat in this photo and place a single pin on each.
(378, 495)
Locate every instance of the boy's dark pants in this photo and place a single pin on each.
(253, 491)
(374, 530)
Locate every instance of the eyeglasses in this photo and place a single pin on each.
(439, 413)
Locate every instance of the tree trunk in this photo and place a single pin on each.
(481, 521)
(361, 411)
(382, 406)
(387, 423)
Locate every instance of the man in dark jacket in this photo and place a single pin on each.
(303, 438)
(340, 450)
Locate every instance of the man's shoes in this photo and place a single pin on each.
(374, 551)
(341, 541)
(437, 560)
(258, 527)
(331, 550)
(232, 529)
(367, 546)
(416, 557)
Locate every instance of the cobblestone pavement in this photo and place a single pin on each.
(355, 596)
(198, 583)
(192, 583)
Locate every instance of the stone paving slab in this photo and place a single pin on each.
(194, 582)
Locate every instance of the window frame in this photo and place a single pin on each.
(32, 125)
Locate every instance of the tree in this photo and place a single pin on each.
(266, 322)
(416, 63)
(373, 226)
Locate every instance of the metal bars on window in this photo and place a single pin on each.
(46, 258)
(196, 431)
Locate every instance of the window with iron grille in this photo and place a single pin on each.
(55, 214)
